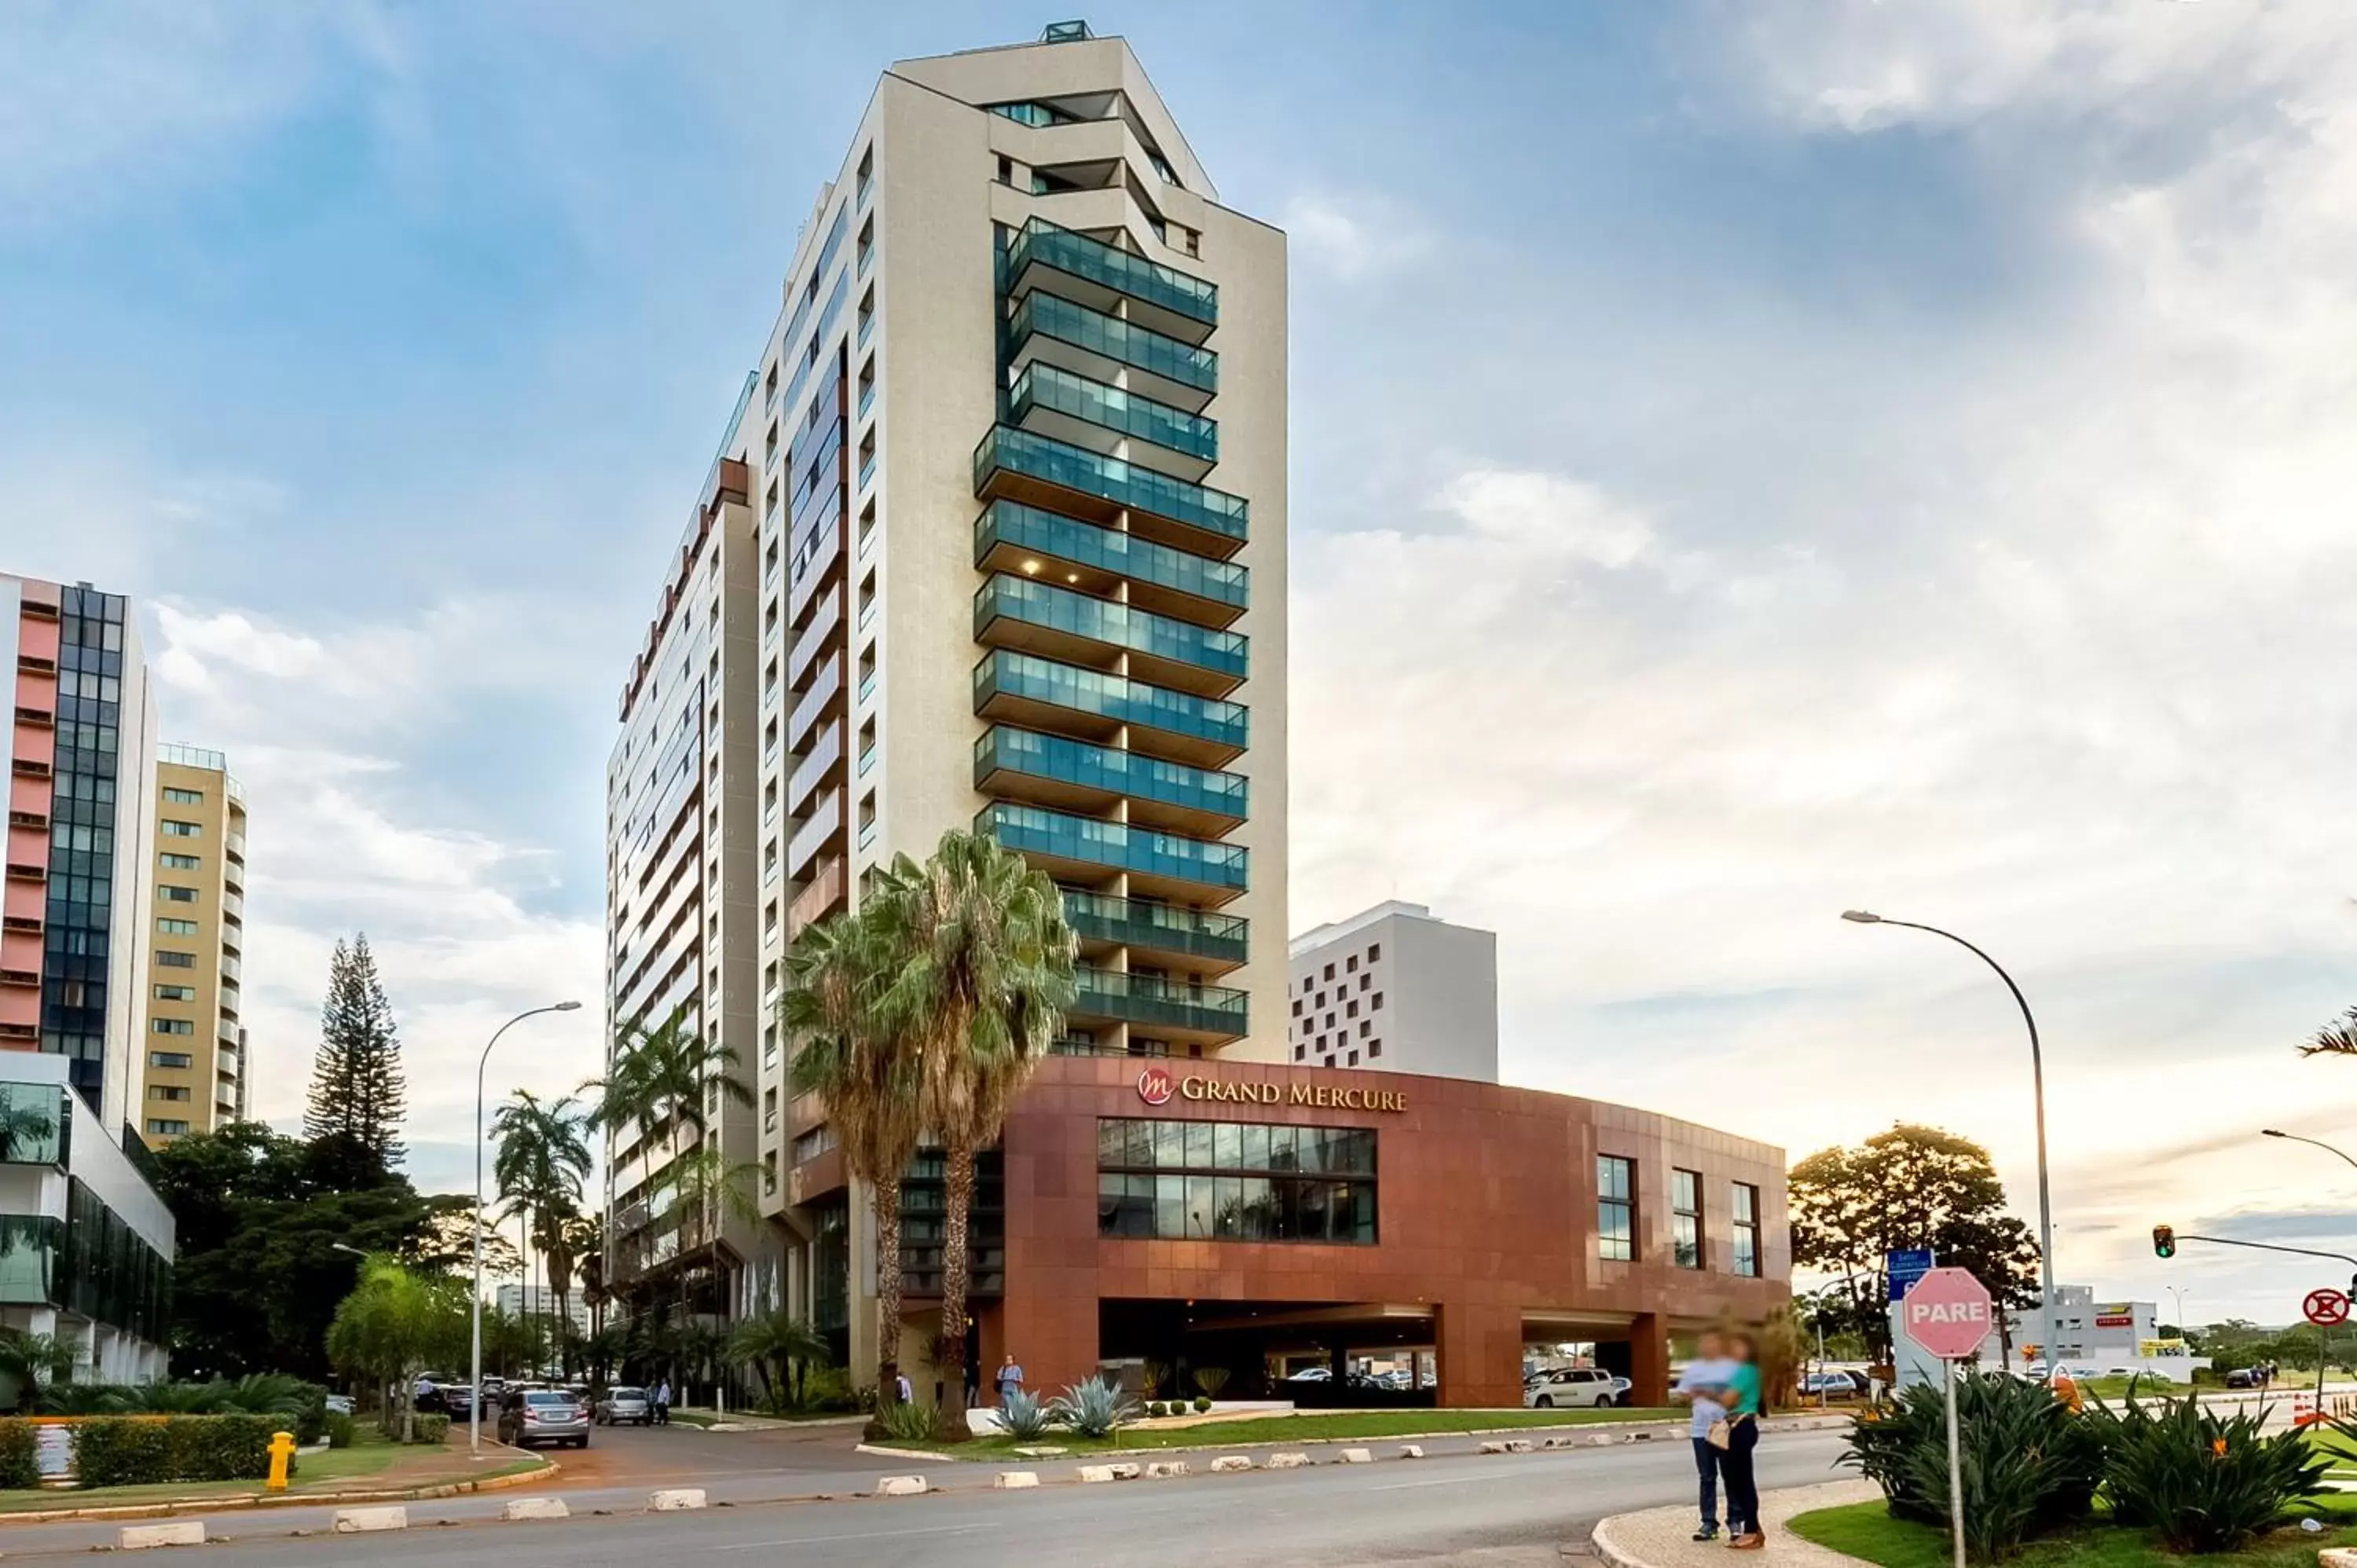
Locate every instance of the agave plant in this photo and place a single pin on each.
(176, 1399)
(1092, 1409)
(2206, 1481)
(1021, 1416)
(908, 1422)
(86, 1399)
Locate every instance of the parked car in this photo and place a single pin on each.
(1584, 1386)
(339, 1404)
(544, 1415)
(1834, 1384)
(2245, 1377)
(626, 1405)
(1312, 1375)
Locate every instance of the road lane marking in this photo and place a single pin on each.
(863, 1535)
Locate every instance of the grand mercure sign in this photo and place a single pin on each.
(1159, 1085)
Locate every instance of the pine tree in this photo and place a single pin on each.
(354, 1119)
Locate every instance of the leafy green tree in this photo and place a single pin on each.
(396, 1322)
(1911, 1186)
(358, 1092)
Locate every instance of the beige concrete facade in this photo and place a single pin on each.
(192, 1069)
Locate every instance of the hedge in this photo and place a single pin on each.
(125, 1451)
(433, 1429)
(20, 1466)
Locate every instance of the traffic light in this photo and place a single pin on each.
(2164, 1242)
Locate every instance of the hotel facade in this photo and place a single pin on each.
(996, 539)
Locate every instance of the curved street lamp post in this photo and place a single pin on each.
(2038, 1087)
(475, 1306)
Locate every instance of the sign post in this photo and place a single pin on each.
(1947, 1312)
(2325, 1308)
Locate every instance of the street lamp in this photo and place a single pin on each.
(2037, 1087)
(2295, 1138)
(474, 1388)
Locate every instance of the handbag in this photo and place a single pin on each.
(1720, 1435)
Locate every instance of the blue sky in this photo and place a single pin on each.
(1751, 457)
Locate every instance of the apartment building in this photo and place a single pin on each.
(1394, 988)
(193, 1072)
(73, 941)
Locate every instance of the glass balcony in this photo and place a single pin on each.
(1200, 934)
(1042, 243)
(866, 329)
(1185, 649)
(1156, 1001)
(866, 398)
(1115, 846)
(1021, 454)
(867, 470)
(1109, 337)
(35, 1125)
(1051, 388)
(1084, 769)
(1025, 530)
(1217, 730)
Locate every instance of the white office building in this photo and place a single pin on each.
(1396, 989)
(539, 1300)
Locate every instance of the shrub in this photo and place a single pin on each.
(219, 1447)
(1155, 1410)
(1202, 1403)
(1021, 1417)
(340, 1429)
(20, 1466)
(114, 1451)
(1211, 1379)
(2030, 1466)
(1093, 1408)
(434, 1428)
(2207, 1482)
(831, 1388)
(912, 1422)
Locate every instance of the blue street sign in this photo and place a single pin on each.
(1905, 1268)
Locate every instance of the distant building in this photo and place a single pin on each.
(193, 1069)
(539, 1300)
(1394, 988)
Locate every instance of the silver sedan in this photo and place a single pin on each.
(544, 1415)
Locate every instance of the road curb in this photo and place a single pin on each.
(1615, 1431)
(248, 1502)
(1608, 1551)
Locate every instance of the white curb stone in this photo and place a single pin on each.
(1517, 1445)
(1287, 1461)
(358, 1521)
(1095, 1474)
(1601, 1440)
(674, 1499)
(900, 1486)
(175, 1533)
(1357, 1456)
(1165, 1469)
(535, 1507)
(1016, 1480)
(1128, 1470)
(1040, 1452)
(1227, 1462)
(1493, 1447)
(1411, 1450)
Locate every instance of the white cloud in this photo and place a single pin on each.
(1352, 237)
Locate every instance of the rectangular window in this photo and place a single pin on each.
(183, 797)
(176, 829)
(1615, 1207)
(1686, 1219)
(1226, 1181)
(167, 957)
(172, 1026)
(170, 1058)
(172, 895)
(176, 994)
(1746, 1228)
(172, 927)
(163, 1128)
(167, 1092)
(179, 862)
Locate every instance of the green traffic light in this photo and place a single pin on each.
(2164, 1242)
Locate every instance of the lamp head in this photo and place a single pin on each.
(569, 1007)
(2273, 1133)
(1862, 917)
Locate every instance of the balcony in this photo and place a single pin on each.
(1019, 612)
(1076, 482)
(1077, 775)
(823, 766)
(823, 831)
(1011, 537)
(1051, 401)
(814, 573)
(1104, 346)
(823, 897)
(1218, 1011)
(1163, 864)
(1100, 274)
(812, 640)
(232, 906)
(232, 970)
(824, 698)
(1047, 693)
(1200, 937)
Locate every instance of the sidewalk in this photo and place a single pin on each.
(1662, 1538)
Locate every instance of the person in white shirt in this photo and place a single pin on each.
(1705, 1374)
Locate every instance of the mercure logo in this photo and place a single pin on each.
(1154, 1086)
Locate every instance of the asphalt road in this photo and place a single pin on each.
(1454, 1505)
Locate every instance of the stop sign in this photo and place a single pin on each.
(1947, 1313)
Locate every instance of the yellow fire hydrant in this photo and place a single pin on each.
(282, 1458)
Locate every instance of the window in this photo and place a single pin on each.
(1746, 1228)
(183, 797)
(174, 895)
(1300, 1053)
(1351, 964)
(1229, 1181)
(176, 829)
(1374, 952)
(172, 927)
(1329, 972)
(176, 994)
(1297, 1006)
(812, 1144)
(1354, 1058)
(1686, 1219)
(1615, 1207)
(1377, 1005)
(161, 1127)
(167, 1092)
(171, 1025)
(179, 862)
(168, 958)
(170, 1058)
(1374, 1049)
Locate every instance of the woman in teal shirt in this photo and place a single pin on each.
(1742, 1437)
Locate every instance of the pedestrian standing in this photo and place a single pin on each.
(1708, 1373)
(1010, 1378)
(972, 1383)
(903, 1390)
(1742, 1402)
(662, 1402)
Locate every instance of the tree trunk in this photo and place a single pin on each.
(956, 1283)
(887, 1297)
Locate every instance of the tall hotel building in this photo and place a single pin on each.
(192, 1044)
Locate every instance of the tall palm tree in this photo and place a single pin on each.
(540, 1159)
(983, 979)
(2338, 1038)
(662, 1083)
(865, 1072)
(781, 1341)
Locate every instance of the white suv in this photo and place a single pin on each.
(1575, 1386)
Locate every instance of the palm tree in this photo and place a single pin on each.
(983, 977)
(660, 1083)
(782, 1340)
(864, 1073)
(707, 1190)
(541, 1161)
(2338, 1038)
(34, 1361)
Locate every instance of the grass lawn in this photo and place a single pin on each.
(337, 1469)
(1868, 1530)
(2116, 1388)
(1246, 1431)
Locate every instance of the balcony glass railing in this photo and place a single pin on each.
(1108, 550)
(1033, 679)
(35, 1125)
(867, 470)
(1101, 621)
(1109, 478)
(1068, 252)
(1116, 845)
(1050, 316)
(1143, 923)
(1091, 767)
(1151, 999)
(866, 329)
(867, 397)
(1051, 387)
